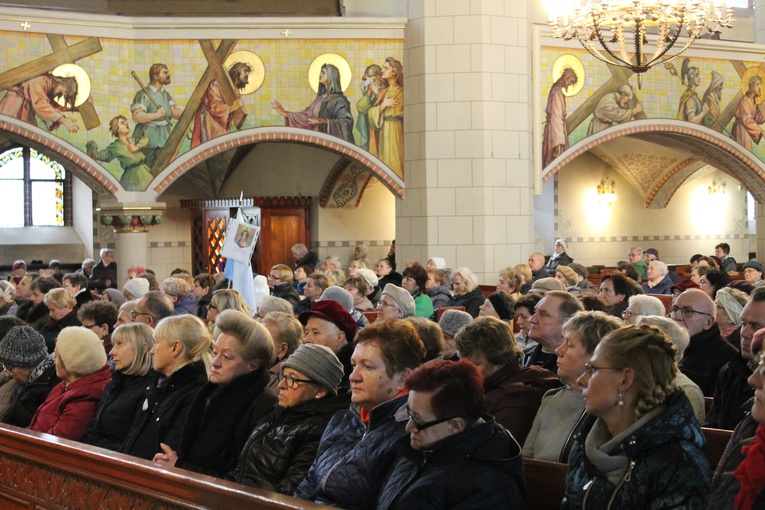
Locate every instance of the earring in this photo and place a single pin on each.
(621, 400)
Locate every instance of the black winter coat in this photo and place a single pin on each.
(472, 301)
(353, 457)
(480, 468)
(220, 420)
(286, 291)
(163, 412)
(392, 277)
(283, 445)
(53, 327)
(100, 273)
(731, 393)
(704, 357)
(120, 403)
(309, 259)
(28, 397)
(35, 315)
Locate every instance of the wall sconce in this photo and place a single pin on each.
(717, 187)
(606, 193)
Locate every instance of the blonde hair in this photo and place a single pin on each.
(525, 271)
(470, 279)
(197, 344)
(288, 330)
(141, 336)
(59, 298)
(229, 299)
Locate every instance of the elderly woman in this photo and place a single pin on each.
(361, 253)
(641, 305)
(179, 290)
(7, 297)
(451, 322)
(231, 403)
(510, 282)
(432, 337)
(615, 290)
(659, 281)
(359, 288)
(284, 443)
(513, 392)
(386, 274)
(415, 280)
(639, 446)
(25, 358)
(738, 480)
(467, 293)
(566, 276)
(354, 267)
(226, 299)
(562, 410)
(272, 304)
(287, 336)
(498, 305)
(453, 456)
(395, 303)
(713, 281)
(730, 303)
(71, 405)
(125, 394)
(182, 358)
(680, 337)
(523, 309)
(113, 296)
(61, 305)
(355, 447)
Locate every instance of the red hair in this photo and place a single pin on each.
(457, 386)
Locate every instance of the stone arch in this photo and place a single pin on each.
(73, 159)
(702, 144)
(188, 160)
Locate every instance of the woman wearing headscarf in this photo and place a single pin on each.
(639, 445)
(124, 396)
(729, 304)
(283, 445)
(231, 403)
(81, 366)
(329, 113)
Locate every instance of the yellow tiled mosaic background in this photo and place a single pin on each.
(286, 64)
(660, 93)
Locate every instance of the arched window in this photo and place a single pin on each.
(34, 190)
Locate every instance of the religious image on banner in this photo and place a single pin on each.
(241, 238)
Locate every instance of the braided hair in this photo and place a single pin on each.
(650, 354)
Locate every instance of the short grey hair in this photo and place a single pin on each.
(647, 305)
(661, 266)
(625, 90)
(671, 329)
(106, 251)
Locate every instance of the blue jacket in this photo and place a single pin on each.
(668, 468)
(353, 458)
(663, 287)
(479, 468)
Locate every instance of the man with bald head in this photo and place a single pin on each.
(708, 351)
(537, 265)
(547, 327)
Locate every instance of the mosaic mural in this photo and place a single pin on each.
(135, 106)
(583, 96)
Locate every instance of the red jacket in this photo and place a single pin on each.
(68, 411)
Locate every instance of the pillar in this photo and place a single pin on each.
(468, 168)
(759, 21)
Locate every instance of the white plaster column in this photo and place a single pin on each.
(132, 250)
(759, 21)
(468, 135)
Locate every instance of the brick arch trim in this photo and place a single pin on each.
(79, 163)
(277, 134)
(704, 143)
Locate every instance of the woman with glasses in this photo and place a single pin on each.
(454, 455)
(283, 445)
(181, 361)
(639, 445)
(641, 305)
(225, 299)
(279, 280)
(228, 406)
(124, 395)
(713, 281)
(561, 411)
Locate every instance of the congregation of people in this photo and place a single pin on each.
(354, 385)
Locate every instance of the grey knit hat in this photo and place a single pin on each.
(339, 294)
(23, 347)
(452, 321)
(318, 363)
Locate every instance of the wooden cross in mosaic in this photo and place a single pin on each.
(214, 71)
(62, 54)
(730, 109)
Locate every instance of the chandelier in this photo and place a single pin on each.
(617, 31)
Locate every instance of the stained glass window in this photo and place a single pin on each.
(33, 189)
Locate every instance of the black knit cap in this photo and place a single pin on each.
(23, 347)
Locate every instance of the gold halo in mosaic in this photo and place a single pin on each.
(575, 64)
(258, 74)
(329, 58)
(83, 82)
(754, 71)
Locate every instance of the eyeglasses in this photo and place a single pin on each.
(760, 368)
(135, 314)
(626, 314)
(210, 305)
(702, 281)
(292, 382)
(89, 327)
(419, 427)
(272, 277)
(8, 368)
(687, 311)
(590, 369)
(382, 303)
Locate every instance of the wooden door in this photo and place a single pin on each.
(282, 228)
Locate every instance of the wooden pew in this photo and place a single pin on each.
(371, 316)
(545, 483)
(39, 471)
(488, 290)
(441, 310)
(666, 300)
(717, 440)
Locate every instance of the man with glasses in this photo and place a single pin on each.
(280, 283)
(152, 308)
(732, 390)
(99, 317)
(753, 273)
(708, 351)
